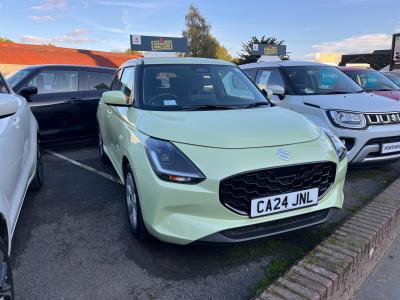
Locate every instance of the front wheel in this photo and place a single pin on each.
(103, 155)
(133, 207)
(37, 181)
(6, 280)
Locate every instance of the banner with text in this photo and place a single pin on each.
(395, 64)
(158, 43)
(269, 50)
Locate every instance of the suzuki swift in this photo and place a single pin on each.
(206, 158)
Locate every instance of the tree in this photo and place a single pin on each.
(129, 51)
(246, 55)
(5, 40)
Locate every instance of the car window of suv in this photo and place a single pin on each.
(49, 82)
(267, 78)
(3, 87)
(99, 81)
(127, 81)
(116, 80)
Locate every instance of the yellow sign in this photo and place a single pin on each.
(161, 45)
(270, 50)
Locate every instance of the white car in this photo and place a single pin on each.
(20, 167)
(368, 125)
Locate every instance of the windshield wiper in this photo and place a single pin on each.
(336, 93)
(208, 107)
(257, 104)
(384, 90)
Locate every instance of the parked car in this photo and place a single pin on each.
(206, 158)
(368, 124)
(20, 167)
(373, 81)
(394, 76)
(63, 98)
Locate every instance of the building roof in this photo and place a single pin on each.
(26, 54)
(177, 60)
(282, 63)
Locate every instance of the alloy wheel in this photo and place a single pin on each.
(131, 201)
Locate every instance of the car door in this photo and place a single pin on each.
(95, 83)
(57, 104)
(12, 176)
(117, 115)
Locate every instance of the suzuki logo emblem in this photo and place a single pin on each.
(283, 154)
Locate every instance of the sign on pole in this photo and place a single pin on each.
(395, 63)
(158, 43)
(269, 50)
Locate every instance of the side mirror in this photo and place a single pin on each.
(268, 93)
(28, 91)
(8, 106)
(117, 98)
(278, 90)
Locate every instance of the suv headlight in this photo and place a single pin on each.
(348, 119)
(340, 149)
(170, 164)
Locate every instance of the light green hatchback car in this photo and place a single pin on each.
(205, 157)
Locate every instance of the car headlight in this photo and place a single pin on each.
(340, 149)
(348, 119)
(170, 164)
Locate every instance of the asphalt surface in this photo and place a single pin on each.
(383, 282)
(72, 241)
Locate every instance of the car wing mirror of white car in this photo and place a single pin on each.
(116, 98)
(278, 91)
(8, 106)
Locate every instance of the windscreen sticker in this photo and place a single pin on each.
(169, 102)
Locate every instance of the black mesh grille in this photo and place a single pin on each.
(236, 192)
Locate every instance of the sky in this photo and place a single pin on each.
(306, 26)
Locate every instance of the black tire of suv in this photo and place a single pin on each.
(139, 231)
(37, 181)
(6, 279)
(103, 156)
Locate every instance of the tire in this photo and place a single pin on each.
(103, 155)
(134, 210)
(37, 181)
(6, 280)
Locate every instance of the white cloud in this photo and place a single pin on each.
(77, 36)
(356, 44)
(50, 5)
(140, 5)
(42, 18)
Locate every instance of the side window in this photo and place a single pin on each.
(99, 81)
(267, 78)
(3, 87)
(49, 82)
(235, 86)
(115, 82)
(127, 81)
(251, 74)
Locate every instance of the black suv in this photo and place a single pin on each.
(63, 98)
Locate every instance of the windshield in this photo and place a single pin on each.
(16, 77)
(320, 80)
(394, 77)
(371, 80)
(191, 87)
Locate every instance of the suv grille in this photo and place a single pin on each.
(383, 118)
(236, 192)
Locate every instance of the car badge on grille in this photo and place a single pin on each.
(394, 117)
(283, 154)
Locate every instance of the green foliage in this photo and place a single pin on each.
(129, 51)
(5, 40)
(246, 57)
(201, 43)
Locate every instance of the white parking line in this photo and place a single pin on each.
(88, 168)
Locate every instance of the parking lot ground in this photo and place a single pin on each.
(72, 241)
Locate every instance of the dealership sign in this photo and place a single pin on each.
(395, 65)
(269, 50)
(158, 43)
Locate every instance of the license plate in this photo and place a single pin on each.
(390, 147)
(280, 203)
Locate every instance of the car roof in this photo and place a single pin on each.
(355, 69)
(176, 60)
(54, 66)
(281, 63)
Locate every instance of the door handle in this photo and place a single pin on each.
(73, 100)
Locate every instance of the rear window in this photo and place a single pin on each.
(99, 81)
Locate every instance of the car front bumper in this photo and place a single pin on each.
(182, 213)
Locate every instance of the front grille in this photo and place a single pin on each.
(383, 118)
(236, 192)
(384, 140)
